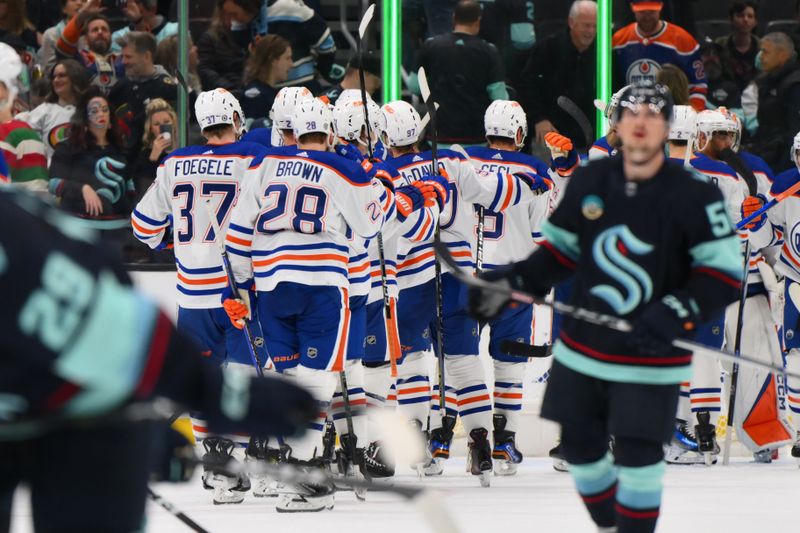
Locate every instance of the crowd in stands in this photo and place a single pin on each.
(95, 113)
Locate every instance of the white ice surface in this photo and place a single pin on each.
(743, 497)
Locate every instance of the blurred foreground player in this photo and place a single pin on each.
(647, 241)
(78, 344)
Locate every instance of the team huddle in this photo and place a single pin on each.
(328, 223)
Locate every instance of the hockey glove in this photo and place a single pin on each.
(563, 155)
(409, 198)
(349, 151)
(239, 307)
(538, 184)
(487, 303)
(661, 322)
(379, 171)
(441, 186)
(750, 205)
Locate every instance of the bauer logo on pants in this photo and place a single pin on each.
(621, 267)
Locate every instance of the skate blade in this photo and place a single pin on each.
(709, 459)
(485, 479)
(560, 465)
(317, 510)
(504, 468)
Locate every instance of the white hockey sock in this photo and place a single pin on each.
(793, 388)
(508, 391)
(705, 391)
(377, 384)
(320, 384)
(413, 387)
(354, 373)
(469, 379)
(450, 398)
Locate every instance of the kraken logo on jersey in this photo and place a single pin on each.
(610, 251)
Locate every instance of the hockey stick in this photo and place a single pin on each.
(571, 108)
(608, 321)
(426, 96)
(521, 349)
(423, 123)
(174, 511)
(769, 205)
(252, 341)
(481, 219)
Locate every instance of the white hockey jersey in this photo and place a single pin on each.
(188, 183)
(785, 216)
(292, 224)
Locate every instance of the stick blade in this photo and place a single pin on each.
(424, 88)
(522, 349)
(365, 20)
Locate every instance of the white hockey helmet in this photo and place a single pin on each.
(608, 108)
(735, 126)
(401, 124)
(312, 116)
(348, 119)
(9, 74)
(283, 107)
(711, 121)
(218, 106)
(349, 95)
(504, 118)
(683, 125)
(794, 155)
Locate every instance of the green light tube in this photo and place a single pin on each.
(604, 34)
(392, 36)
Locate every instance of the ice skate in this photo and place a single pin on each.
(227, 488)
(376, 463)
(796, 449)
(765, 456)
(505, 454)
(479, 457)
(422, 464)
(350, 466)
(441, 438)
(682, 450)
(263, 485)
(559, 463)
(306, 497)
(705, 434)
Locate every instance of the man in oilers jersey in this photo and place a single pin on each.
(511, 236)
(786, 217)
(190, 184)
(648, 242)
(417, 307)
(288, 236)
(641, 47)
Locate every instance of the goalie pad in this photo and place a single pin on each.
(760, 416)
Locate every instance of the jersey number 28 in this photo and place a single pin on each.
(307, 206)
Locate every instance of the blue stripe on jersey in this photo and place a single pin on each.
(241, 229)
(237, 252)
(149, 220)
(420, 268)
(302, 268)
(300, 247)
(208, 270)
(204, 292)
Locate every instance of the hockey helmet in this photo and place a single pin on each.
(735, 126)
(609, 108)
(312, 116)
(9, 74)
(683, 123)
(348, 119)
(401, 124)
(283, 107)
(218, 106)
(710, 121)
(504, 118)
(795, 153)
(656, 97)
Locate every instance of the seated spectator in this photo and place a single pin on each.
(268, 66)
(676, 81)
(723, 91)
(21, 147)
(105, 67)
(641, 47)
(51, 119)
(739, 49)
(313, 47)
(88, 173)
(160, 135)
(47, 53)
(562, 64)
(143, 15)
(14, 20)
(167, 57)
(143, 82)
(778, 100)
(351, 80)
(223, 49)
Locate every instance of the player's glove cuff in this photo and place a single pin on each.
(662, 322)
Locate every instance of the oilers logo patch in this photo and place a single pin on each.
(592, 207)
(643, 72)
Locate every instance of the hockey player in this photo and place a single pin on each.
(785, 216)
(289, 237)
(78, 345)
(609, 144)
(175, 209)
(508, 237)
(609, 233)
(280, 134)
(417, 302)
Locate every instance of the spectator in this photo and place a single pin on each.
(143, 15)
(14, 19)
(562, 64)
(68, 80)
(351, 80)
(267, 66)
(14, 41)
(508, 24)
(778, 100)
(47, 53)
(739, 49)
(144, 81)
(21, 147)
(439, 16)
(105, 67)
(676, 81)
(156, 143)
(465, 74)
(723, 91)
(312, 44)
(641, 47)
(167, 57)
(223, 48)
(88, 170)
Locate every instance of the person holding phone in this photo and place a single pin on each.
(160, 135)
